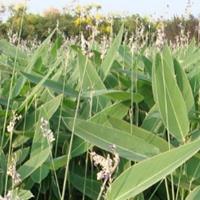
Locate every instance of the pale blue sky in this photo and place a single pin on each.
(155, 8)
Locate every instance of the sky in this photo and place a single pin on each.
(154, 8)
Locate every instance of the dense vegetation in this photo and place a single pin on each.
(98, 117)
(72, 21)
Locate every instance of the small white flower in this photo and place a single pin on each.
(11, 171)
(107, 165)
(10, 127)
(10, 196)
(46, 132)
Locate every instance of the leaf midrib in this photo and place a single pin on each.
(160, 172)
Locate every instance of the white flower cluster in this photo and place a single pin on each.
(11, 171)
(104, 47)
(108, 165)
(12, 123)
(46, 132)
(85, 47)
(160, 40)
(9, 196)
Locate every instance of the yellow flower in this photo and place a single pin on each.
(98, 17)
(77, 22)
(88, 20)
(160, 25)
(107, 29)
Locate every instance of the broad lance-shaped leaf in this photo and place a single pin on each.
(191, 57)
(89, 79)
(152, 121)
(11, 51)
(115, 95)
(33, 163)
(81, 183)
(39, 142)
(194, 195)
(80, 146)
(3, 163)
(125, 53)
(184, 86)
(20, 194)
(167, 56)
(111, 54)
(129, 146)
(141, 176)
(169, 99)
(149, 137)
(55, 86)
(88, 74)
(41, 51)
(194, 77)
(45, 111)
(117, 110)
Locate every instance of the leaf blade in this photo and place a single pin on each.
(146, 173)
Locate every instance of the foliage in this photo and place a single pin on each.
(64, 102)
(87, 19)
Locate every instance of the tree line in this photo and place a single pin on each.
(86, 19)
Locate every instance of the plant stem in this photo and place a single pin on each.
(102, 189)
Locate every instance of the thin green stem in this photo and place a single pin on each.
(102, 189)
(167, 189)
(72, 132)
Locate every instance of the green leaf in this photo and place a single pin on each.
(79, 147)
(57, 162)
(40, 174)
(167, 56)
(194, 77)
(184, 86)
(88, 75)
(90, 80)
(144, 89)
(140, 176)
(169, 99)
(24, 194)
(191, 58)
(33, 163)
(147, 64)
(56, 46)
(3, 170)
(22, 154)
(92, 187)
(21, 194)
(147, 136)
(152, 122)
(129, 146)
(194, 195)
(111, 54)
(126, 55)
(116, 95)
(41, 51)
(117, 110)
(192, 168)
(11, 51)
(55, 86)
(46, 110)
(40, 143)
